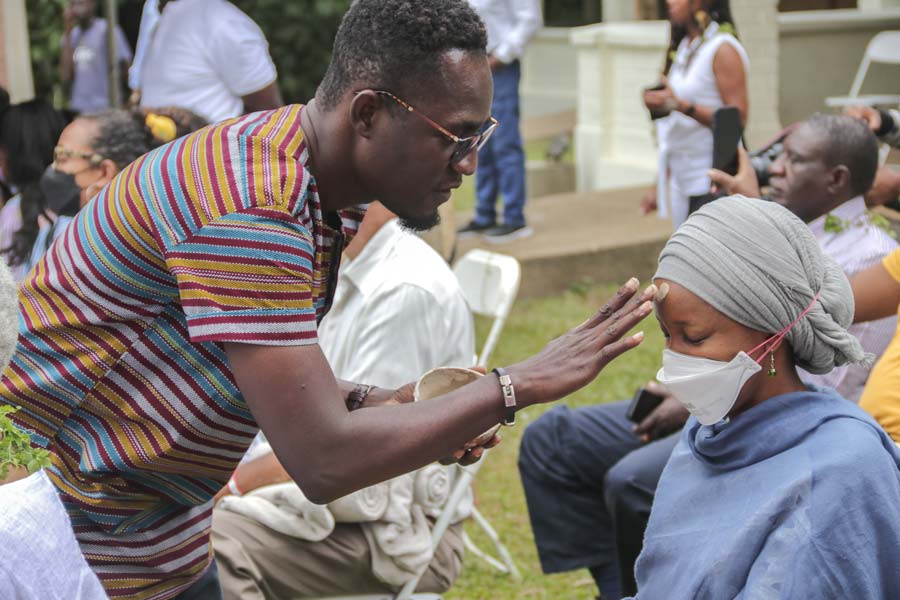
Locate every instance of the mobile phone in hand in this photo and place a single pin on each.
(643, 403)
(727, 131)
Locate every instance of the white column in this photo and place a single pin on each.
(15, 62)
(757, 26)
(614, 144)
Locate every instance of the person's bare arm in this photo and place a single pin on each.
(331, 452)
(256, 473)
(731, 80)
(265, 99)
(876, 294)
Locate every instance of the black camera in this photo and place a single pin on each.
(762, 160)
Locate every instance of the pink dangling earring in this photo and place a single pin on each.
(772, 371)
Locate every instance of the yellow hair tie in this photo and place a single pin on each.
(162, 127)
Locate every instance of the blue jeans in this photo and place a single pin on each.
(501, 162)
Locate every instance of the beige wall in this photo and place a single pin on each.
(820, 53)
(549, 80)
(614, 144)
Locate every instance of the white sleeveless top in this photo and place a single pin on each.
(686, 146)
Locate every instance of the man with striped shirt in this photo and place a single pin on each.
(178, 313)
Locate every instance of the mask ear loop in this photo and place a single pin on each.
(772, 342)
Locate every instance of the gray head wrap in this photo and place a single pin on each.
(759, 265)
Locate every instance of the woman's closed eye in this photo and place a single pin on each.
(695, 340)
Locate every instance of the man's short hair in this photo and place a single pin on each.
(848, 142)
(397, 45)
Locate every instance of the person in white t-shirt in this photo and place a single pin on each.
(706, 68)
(208, 57)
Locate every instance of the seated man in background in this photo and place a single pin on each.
(590, 476)
(397, 298)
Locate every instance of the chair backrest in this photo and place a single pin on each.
(883, 48)
(490, 283)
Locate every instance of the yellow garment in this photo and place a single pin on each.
(881, 398)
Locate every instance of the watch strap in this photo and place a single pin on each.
(509, 396)
(357, 396)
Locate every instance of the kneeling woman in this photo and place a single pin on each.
(775, 489)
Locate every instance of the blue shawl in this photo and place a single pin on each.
(798, 497)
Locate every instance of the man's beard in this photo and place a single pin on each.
(420, 223)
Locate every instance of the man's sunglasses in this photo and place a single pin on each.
(464, 146)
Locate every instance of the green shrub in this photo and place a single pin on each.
(300, 35)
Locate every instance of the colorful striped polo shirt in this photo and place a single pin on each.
(120, 372)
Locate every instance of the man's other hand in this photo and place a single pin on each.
(872, 116)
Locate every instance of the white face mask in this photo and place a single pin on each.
(707, 388)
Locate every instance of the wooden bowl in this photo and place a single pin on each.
(443, 380)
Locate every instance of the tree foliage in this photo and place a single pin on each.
(300, 35)
(45, 29)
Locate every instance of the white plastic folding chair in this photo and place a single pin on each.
(490, 284)
(883, 48)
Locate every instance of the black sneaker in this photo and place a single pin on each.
(506, 233)
(473, 229)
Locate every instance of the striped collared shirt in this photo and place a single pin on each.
(120, 370)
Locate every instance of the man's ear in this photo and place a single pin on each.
(839, 179)
(364, 112)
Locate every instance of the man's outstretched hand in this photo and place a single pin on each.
(574, 359)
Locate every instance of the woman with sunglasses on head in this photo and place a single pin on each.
(705, 69)
(776, 489)
(90, 152)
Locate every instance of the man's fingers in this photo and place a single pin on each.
(646, 426)
(619, 299)
(611, 351)
(657, 388)
(615, 328)
(744, 164)
(721, 179)
(611, 323)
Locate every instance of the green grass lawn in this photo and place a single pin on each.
(498, 490)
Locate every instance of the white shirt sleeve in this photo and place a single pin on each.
(528, 21)
(240, 53)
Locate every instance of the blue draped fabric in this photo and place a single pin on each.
(798, 497)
